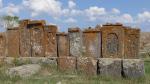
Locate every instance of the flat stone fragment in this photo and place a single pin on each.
(87, 65)
(109, 67)
(133, 68)
(67, 63)
(24, 70)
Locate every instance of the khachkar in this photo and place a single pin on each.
(110, 49)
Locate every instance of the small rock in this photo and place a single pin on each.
(24, 70)
(133, 68)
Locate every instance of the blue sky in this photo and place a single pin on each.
(81, 13)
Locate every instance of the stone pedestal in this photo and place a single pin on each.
(67, 63)
(87, 65)
(133, 68)
(109, 67)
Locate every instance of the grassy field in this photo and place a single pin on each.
(53, 76)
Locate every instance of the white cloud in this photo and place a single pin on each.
(144, 17)
(52, 7)
(71, 4)
(94, 12)
(11, 9)
(70, 20)
(115, 11)
(126, 18)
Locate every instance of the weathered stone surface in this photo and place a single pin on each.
(92, 43)
(13, 42)
(133, 68)
(112, 41)
(87, 65)
(37, 40)
(67, 63)
(109, 67)
(24, 70)
(62, 45)
(50, 41)
(30, 60)
(75, 42)
(25, 42)
(132, 43)
(2, 45)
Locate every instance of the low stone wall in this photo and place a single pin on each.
(129, 68)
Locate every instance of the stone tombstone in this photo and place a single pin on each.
(92, 43)
(25, 42)
(75, 42)
(112, 41)
(13, 42)
(62, 45)
(50, 41)
(37, 38)
(2, 45)
(132, 41)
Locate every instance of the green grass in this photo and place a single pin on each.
(50, 75)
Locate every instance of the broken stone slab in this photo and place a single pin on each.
(133, 68)
(87, 65)
(23, 71)
(67, 63)
(109, 67)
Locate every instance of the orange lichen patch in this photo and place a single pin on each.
(62, 45)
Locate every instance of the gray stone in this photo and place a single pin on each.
(109, 67)
(24, 70)
(133, 68)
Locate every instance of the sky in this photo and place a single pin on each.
(81, 13)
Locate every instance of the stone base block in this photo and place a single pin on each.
(133, 68)
(109, 67)
(67, 63)
(87, 65)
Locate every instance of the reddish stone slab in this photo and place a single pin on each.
(13, 42)
(92, 43)
(50, 41)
